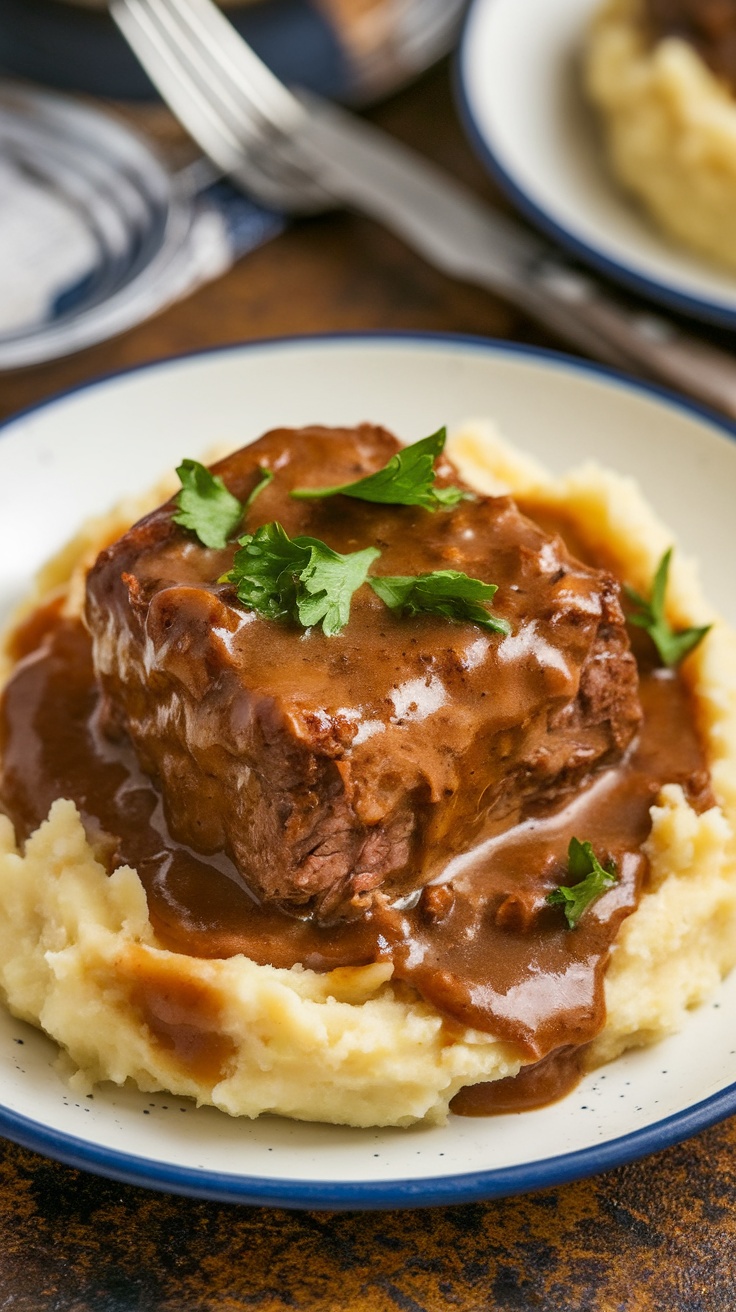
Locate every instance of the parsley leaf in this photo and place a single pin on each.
(407, 480)
(444, 592)
(265, 479)
(593, 880)
(301, 579)
(207, 508)
(650, 615)
(205, 505)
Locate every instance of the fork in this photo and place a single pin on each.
(300, 153)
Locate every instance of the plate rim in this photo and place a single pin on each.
(695, 307)
(436, 1190)
(368, 1195)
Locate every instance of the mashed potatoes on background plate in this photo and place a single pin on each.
(78, 955)
(670, 127)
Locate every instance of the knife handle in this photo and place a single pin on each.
(457, 232)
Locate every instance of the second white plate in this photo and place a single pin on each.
(521, 98)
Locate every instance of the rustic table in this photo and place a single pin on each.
(657, 1236)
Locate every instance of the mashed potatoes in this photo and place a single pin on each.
(78, 955)
(670, 126)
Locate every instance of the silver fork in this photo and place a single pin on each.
(302, 154)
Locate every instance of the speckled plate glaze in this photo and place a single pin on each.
(519, 87)
(75, 455)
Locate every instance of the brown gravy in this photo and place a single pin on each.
(485, 948)
(537, 1085)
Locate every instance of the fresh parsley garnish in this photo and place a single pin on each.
(593, 879)
(300, 579)
(205, 506)
(444, 592)
(265, 479)
(407, 480)
(650, 615)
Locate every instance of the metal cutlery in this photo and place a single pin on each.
(303, 154)
(135, 214)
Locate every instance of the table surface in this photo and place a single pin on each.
(655, 1236)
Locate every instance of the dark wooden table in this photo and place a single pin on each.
(657, 1236)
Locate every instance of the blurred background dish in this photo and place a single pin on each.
(521, 94)
(352, 50)
(96, 233)
(662, 75)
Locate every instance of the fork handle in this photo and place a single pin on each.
(622, 333)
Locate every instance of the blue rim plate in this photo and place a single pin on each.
(84, 449)
(518, 91)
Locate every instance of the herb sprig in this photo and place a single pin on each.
(444, 592)
(406, 480)
(267, 477)
(593, 880)
(672, 646)
(300, 579)
(305, 580)
(207, 508)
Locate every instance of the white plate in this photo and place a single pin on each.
(519, 84)
(72, 457)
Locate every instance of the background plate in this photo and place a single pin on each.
(519, 87)
(74, 456)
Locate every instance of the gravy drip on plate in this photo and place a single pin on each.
(483, 947)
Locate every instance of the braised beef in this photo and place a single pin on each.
(329, 768)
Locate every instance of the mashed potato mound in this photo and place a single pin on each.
(78, 955)
(670, 126)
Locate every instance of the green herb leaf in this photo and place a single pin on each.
(444, 592)
(205, 505)
(265, 571)
(650, 615)
(301, 579)
(266, 478)
(593, 880)
(407, 480)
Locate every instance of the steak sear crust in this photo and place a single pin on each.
(330, 768)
